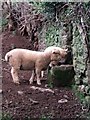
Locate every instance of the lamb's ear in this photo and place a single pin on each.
(53, 51)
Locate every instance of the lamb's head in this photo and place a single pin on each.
(58, 56)
(55, 55)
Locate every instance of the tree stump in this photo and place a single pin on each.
(61, 76)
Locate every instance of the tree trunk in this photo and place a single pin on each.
(67, 37)
(85, 40)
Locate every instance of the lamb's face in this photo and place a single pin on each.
(55, 55)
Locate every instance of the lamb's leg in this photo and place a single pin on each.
(32, 77)
(42, 74)
(14, 73)
(38, 72)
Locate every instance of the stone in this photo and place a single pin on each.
(20, 92)
(63, 101)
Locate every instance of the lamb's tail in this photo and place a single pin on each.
(7, 56)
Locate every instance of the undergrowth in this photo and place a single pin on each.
(85, 104)
(6, 117)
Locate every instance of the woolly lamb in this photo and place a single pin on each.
(23, 59)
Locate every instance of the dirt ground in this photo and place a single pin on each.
(21, 101)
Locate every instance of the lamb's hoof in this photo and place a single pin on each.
(30, 82)
(39, 83)
(17, 83)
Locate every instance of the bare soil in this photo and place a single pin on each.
(21, 101)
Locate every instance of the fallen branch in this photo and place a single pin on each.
(42, 89)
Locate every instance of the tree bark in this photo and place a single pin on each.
(85, 40)
(67, 37)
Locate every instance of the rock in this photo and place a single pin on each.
(46, 107)
(10, 102)
(65, 96)
(20, 92)
(63, 101)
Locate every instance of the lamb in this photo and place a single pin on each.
(23, 59)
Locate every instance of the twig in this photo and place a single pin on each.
(33, 101)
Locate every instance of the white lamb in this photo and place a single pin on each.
(23, 59)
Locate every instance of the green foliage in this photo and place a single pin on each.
(27, 118)
(3, 22)
(6, 117)
(51, 9)
(79, 94)
(53, 36)
(85, 100)
(78, 52)
(44, 118)
(39, 6)
(0, 115)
